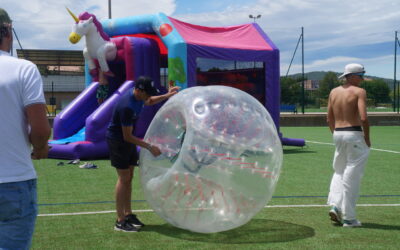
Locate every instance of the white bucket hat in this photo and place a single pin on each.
(352, 68)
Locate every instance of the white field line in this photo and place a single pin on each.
(274, 206)
(376, 149)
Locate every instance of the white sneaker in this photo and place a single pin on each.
(336, 215)
(88, 165)
(352, 223)
(76, 161)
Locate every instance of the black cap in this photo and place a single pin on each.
(147, 85)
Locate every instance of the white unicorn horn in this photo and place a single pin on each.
(73, 16)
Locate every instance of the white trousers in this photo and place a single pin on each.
(351, 155)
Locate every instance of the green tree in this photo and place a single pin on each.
(377, 90)
(290, 91)
(329, 82)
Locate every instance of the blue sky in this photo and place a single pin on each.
(337, 32)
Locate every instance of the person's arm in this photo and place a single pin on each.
(330, 119)
(40, 130)
(362, 110)
(159, 98)
(128, 137)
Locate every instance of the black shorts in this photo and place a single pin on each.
(122, 154)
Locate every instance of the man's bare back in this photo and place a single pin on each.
(344, 104)
(347, 106)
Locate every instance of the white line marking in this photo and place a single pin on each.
(94, 212)
(273, 206)
(376, 149)
(358, 205)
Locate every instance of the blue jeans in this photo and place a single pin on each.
(18, 211)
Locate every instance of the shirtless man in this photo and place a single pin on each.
(348, 121)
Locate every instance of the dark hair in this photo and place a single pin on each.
(146, 84)
(144, 79)
(4, 31)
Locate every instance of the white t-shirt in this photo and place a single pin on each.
(20, 86)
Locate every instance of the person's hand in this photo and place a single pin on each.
(154, 150)
(172, 91)
(40, 153)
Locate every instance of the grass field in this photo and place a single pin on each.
(295, 218)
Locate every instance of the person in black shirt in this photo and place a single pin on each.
(122, 146)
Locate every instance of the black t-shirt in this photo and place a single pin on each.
(125, 113)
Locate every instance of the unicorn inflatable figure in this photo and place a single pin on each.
(98, 43)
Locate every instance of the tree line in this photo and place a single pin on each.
(378, 91)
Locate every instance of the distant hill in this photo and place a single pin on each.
(314, 75)
(319, 75)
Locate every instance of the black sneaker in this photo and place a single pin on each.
(125, 226)
(132, 219)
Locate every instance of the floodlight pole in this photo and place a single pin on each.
(395, 67)
(294, 54)
(302, 70)
(19, 43)
(254, 17)
(398, 84)
(109, 9)
(301, 38)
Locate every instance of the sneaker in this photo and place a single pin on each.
(336, 215)
(88, 165)
(76, 161)
(125, 226)
(352, 223)
(132, 219)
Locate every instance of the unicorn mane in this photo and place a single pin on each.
(86, 16)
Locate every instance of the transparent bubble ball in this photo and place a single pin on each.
(220, 162)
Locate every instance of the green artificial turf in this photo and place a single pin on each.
(303, 183)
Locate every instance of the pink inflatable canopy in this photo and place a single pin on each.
(241, 36)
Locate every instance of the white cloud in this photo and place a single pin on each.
(341, 20)
(46, 24)
(372, 65)
(123, 8)
(328, 24)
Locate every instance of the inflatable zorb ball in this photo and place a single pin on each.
(220, 162)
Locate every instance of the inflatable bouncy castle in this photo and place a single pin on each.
(240, 56)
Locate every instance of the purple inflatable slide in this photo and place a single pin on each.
(79, 131)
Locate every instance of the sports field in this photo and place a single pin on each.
(76, 206)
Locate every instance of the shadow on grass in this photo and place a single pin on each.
(297, 151)
(256, 231)
(380, 226)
